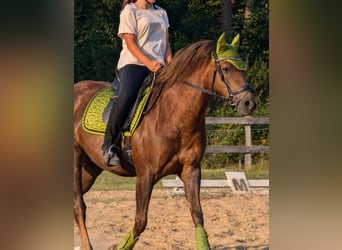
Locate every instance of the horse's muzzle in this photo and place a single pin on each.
(247, 104)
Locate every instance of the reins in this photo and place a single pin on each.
(203, 90)
(155, 99)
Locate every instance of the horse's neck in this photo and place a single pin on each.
(187, 103)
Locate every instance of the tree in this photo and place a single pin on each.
(251, 20)
(226, 18)
(96, 46)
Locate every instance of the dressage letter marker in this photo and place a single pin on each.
(238, 182)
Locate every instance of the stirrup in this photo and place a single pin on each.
(111, 148)
(111, 157)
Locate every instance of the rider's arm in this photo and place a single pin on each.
(133, 47)
(168, 53)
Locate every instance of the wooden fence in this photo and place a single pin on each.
(248, 148)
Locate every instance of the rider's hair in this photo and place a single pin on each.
(125, 2)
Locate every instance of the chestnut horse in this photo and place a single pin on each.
(171, 137)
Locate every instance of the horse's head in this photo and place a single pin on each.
(232, 83)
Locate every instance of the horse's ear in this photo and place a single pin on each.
(221, 43)
(236, 41)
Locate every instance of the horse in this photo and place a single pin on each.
(170, 138)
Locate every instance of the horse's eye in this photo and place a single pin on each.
(225, 69)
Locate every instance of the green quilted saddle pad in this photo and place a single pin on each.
(92, 118)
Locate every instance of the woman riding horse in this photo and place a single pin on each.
(171, 137)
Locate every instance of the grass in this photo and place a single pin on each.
(259, 171)
(108, 181)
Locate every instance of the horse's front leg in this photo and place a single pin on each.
(144, 185)
(192, 184)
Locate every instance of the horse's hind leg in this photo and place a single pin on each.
(192, 183)
(83, 181)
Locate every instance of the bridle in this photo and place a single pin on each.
(231, 94)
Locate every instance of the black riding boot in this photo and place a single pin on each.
(131, 78)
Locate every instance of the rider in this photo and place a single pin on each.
(143, 29)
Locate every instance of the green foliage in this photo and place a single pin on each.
(233, 135)
(96, 45)
(254, 31)
(258, 77)
(191, 21)
(260, 170)
(220, 160)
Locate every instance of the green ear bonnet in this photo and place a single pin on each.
(228, 52)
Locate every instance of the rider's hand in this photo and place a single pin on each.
(154, 66)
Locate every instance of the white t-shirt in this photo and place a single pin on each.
(149, 26)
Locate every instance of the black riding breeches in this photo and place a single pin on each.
(131, 79)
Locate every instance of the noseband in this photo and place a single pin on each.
(231, 94)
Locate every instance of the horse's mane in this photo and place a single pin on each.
(185, 62)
